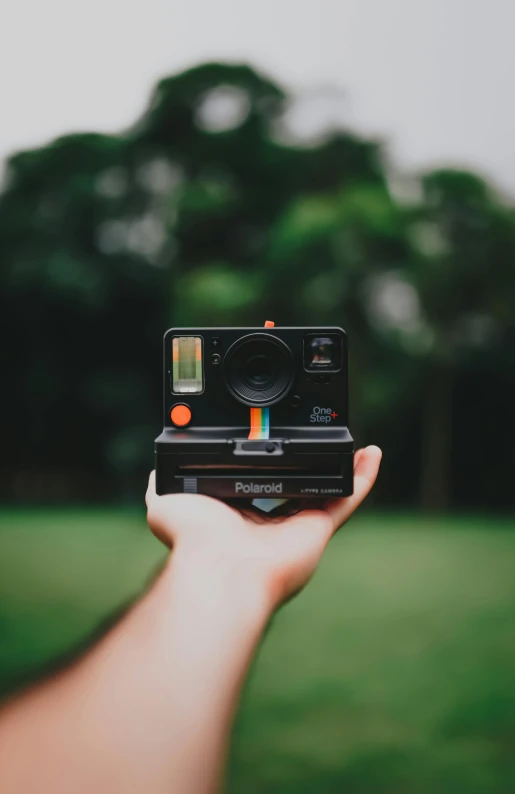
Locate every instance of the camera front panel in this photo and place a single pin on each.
(213, 376)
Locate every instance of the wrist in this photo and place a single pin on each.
(223, 585)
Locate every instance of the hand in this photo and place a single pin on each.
(276, 555)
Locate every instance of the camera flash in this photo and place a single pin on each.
(187, 376)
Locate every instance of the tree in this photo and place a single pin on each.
(465, 238)
(201, 213)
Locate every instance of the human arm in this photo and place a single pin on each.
(150, 708)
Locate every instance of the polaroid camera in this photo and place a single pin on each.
(255, 412)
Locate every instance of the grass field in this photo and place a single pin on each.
(393, 673)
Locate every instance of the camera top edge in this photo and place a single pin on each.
(258, 328)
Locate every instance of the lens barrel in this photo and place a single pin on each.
(258, 369)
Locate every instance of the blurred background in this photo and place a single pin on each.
(346, 163)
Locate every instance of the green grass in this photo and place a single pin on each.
(393, 673)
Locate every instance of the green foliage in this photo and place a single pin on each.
(216, 294)
(471, 269)
(202, 214)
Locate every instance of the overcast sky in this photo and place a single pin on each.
(433, 77)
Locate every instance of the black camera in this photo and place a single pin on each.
(255, 412)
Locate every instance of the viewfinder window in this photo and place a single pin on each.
(322, 352)
(187, 370)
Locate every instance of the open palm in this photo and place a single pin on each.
(279, 554)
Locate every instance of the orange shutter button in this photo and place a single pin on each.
(180, 415)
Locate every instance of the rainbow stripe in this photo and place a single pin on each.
(259, 423)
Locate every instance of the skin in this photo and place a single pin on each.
(149, 709)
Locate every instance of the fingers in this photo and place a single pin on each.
(151, 488)
(357, 456)
(173, 516)
(168, 516)
(366, 467)
(159, 514)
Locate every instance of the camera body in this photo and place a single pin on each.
(255, 412)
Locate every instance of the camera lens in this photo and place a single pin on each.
(258, 369)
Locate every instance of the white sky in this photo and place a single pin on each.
(434, 77)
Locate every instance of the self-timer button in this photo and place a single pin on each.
(180, 415)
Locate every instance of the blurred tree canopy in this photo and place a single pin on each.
(207, 211)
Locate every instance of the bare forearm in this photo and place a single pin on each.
(150, 708)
